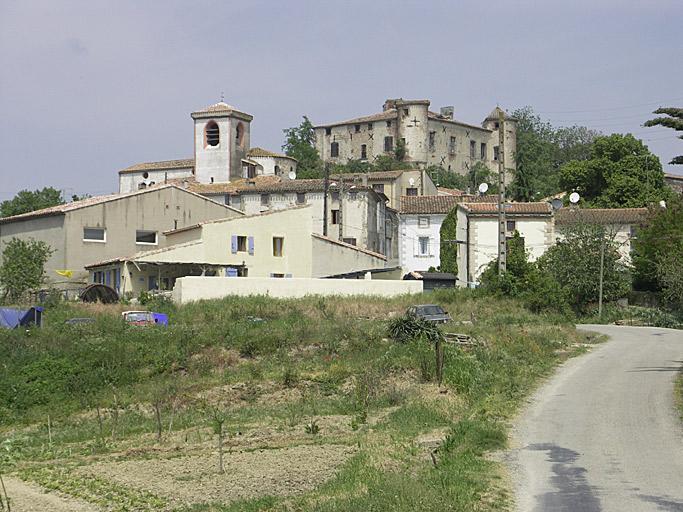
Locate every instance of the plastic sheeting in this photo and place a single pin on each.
(11, 318)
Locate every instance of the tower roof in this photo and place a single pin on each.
(493, 116)
(220, 109)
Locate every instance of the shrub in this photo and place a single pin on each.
(406, 328)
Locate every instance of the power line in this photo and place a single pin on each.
(609, 108)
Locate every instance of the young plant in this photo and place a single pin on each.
(312, 427)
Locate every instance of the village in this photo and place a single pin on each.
(305, 256)
(236, 211)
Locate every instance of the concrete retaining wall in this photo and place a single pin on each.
(188, 289)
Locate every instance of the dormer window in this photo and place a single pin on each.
(212, 134)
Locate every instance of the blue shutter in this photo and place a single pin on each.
(234, 244)
(117, 279)
(231, 272)
(251, 245)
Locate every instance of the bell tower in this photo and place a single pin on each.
(221, 141)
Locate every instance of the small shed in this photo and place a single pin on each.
(432, 280)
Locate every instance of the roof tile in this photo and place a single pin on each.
(437, 204)
(568, 216)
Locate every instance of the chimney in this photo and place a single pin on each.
(447, 112)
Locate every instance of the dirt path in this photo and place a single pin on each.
(27, 497)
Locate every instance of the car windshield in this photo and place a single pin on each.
(138, 317)
(430, 310)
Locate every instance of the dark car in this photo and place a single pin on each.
(430, 313)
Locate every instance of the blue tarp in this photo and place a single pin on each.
(160, 318)
(11, 318)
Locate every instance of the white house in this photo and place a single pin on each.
(477, 234)
(620, 223)
(420, 219)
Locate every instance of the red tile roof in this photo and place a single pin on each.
(510, 208)
(568, 216)
(436, 204)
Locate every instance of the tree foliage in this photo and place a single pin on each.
(574, 262)
(448, 252)
(478, 174)
(27, 201)
(23, 266)
(673, 119)
(300, 144)
(620, 173)
(660, 240)
(541, 150)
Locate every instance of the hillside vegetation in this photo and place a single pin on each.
(317, 408)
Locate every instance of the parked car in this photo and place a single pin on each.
(429, 313)
(144, 318)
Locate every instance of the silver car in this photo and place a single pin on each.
(429, 313)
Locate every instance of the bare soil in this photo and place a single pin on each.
(26, 497)
(248, 474)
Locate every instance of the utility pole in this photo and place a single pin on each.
(326, 186)
(602, 272)
(502, 224)
(341, 208)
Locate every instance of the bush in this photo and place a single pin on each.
(406, 328)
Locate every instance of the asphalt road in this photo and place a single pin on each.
(603, 433)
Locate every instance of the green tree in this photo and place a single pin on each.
(674, 120)
(661, 236)
(541, 151)
(300, 144)
(511, 282)
(574, 261)
(23, 266)
(448, 252)
(621, 172)
(400, 151)
(469, 182)
(26, 201)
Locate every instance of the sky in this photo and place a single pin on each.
(90, 87)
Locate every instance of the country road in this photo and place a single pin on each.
(603, 433)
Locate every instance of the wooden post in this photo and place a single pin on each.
(438, 348)
(326, 186)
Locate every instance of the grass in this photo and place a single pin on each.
(313, 360)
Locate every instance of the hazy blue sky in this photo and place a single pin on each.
(89, 87)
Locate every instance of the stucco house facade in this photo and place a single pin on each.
(420, 220)
(276, 243)
(477, 234)
(430, 138)
(97, 228)
(620, 224)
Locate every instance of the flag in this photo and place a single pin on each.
(65, 273)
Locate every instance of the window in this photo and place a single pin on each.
(363, 151)
(265, 199)
(405, 112)
(388, 143)
(235, 201)
(239, 134)
(352, 195)
(335, 216)
(145, 175)
(482, 153)
(145, 237)
(251, 171)
(423, 246)
(94, 235)
(496, 125)
(496, 153)
(356, 128)
(378, 187)
(278, 244)
(328, 131)
(388, 124)
(277, 170)
(335, 196)
(300, 198)
(350, 241)
(473, 149)
(241, 244)
(432, 140)
(411, 191)
(334, 149)
(212, 134)
(511, 226)
(369, 126)
(423, 222)
(451, 145)
(279, 276)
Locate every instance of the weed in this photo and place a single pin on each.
(312, 427)
(290, 377)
